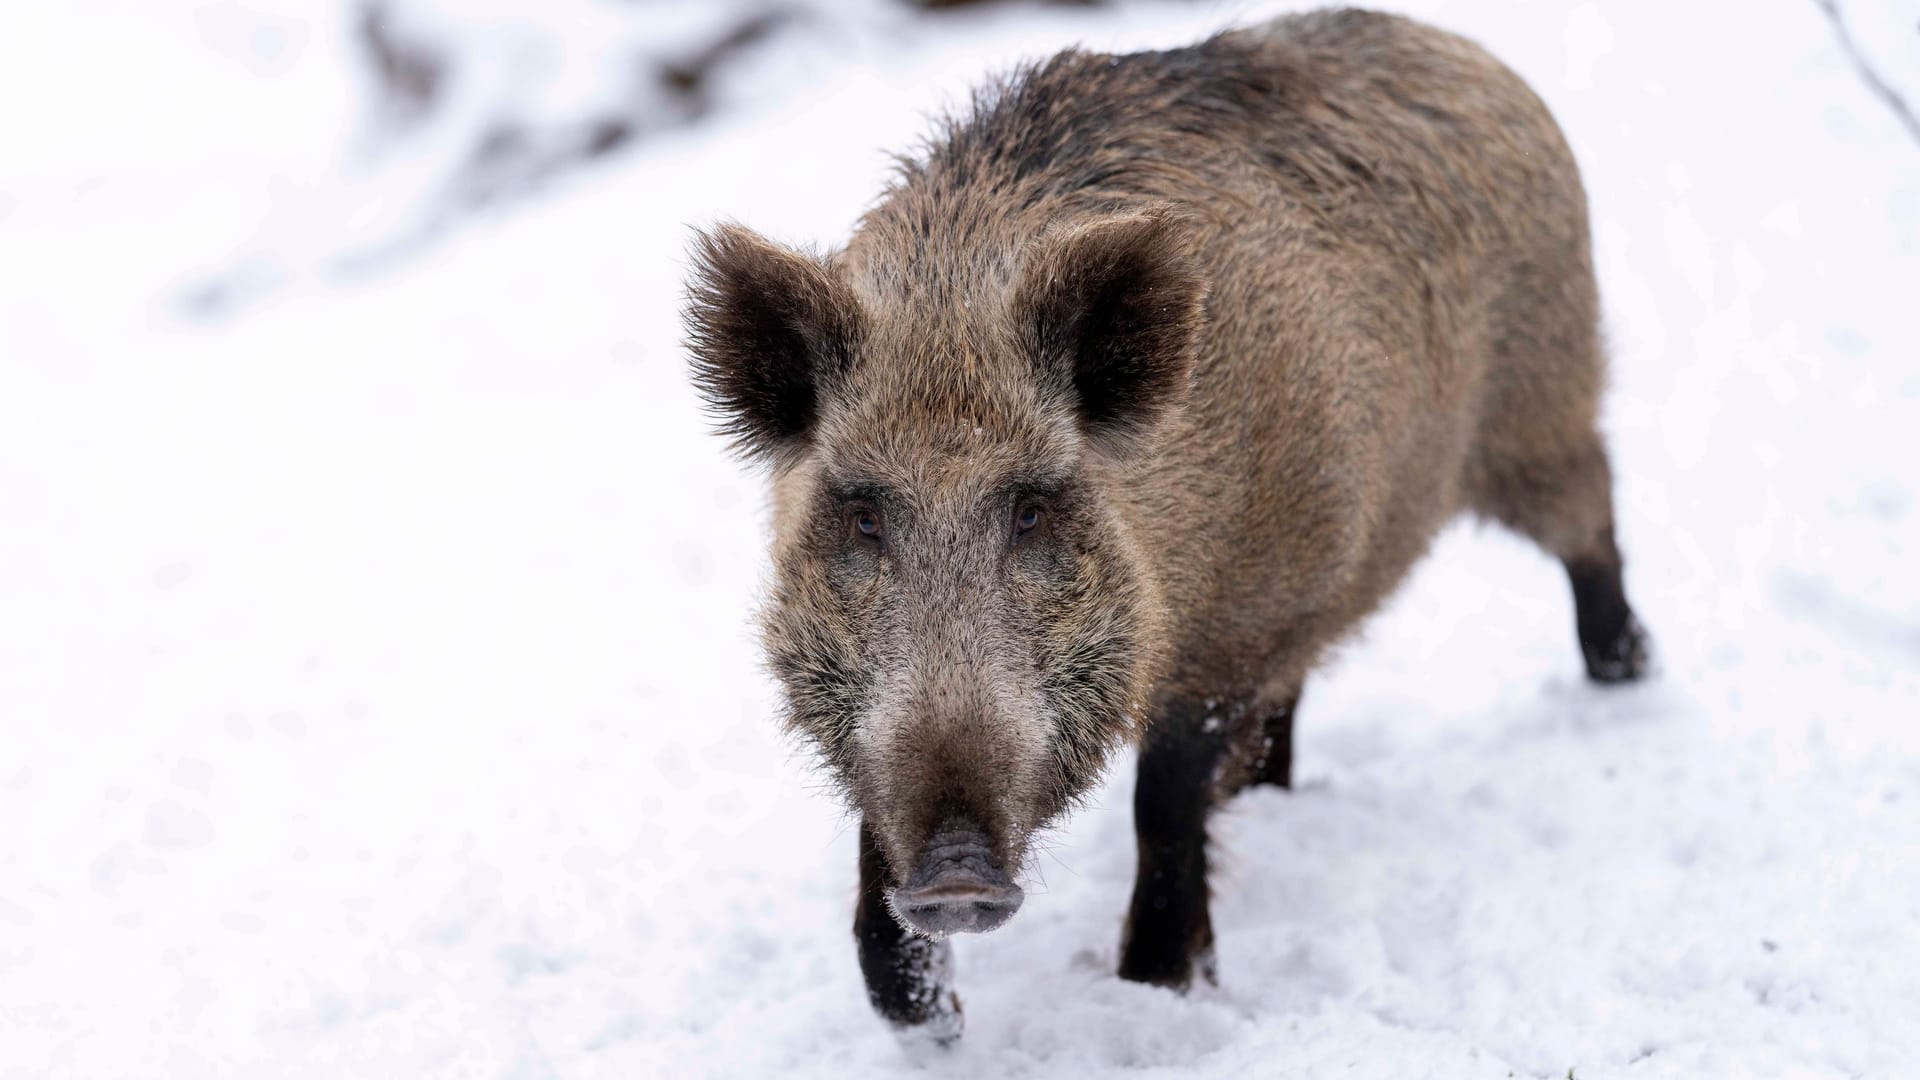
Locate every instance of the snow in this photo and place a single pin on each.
(378, 699)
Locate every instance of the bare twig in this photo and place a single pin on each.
(410, 74)
(1880, 87)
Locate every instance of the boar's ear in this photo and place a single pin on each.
(1115, 308)
(767, 327)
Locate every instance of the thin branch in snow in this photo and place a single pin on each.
(1880, 87)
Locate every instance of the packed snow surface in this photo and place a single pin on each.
(378, 699)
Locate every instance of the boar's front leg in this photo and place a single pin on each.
(909, 978)
(1168, 932)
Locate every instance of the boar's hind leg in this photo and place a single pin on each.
(1271, 760)
(1611, 639)
(1168, 931)
(1564, 502)
(908, 977)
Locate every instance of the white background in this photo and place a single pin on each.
(377, 694)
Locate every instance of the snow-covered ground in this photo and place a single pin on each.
(377, 697)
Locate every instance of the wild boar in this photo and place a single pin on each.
(1138, 388)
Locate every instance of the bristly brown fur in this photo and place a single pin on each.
(1242, 324)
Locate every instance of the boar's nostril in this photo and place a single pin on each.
(958, 888)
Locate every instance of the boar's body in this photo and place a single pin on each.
(1257, 317)
(1399, 323)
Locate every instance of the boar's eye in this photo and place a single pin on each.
(1026, 520)
(867, 524)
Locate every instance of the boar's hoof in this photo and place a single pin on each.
(1167, 957)
(1178, 978)
(941, 1026)
(1168, 969)
(910, 985)
(1623, 659)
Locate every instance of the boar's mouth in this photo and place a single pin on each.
(957, 888)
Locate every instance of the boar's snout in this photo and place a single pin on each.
(958, 888)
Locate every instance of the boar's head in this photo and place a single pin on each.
(963, 617)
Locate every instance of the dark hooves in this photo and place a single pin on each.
(1169, 968)
(941, 1024)
(910, 985)
(1623, 659)
(1178, 980)
(1161, 977)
